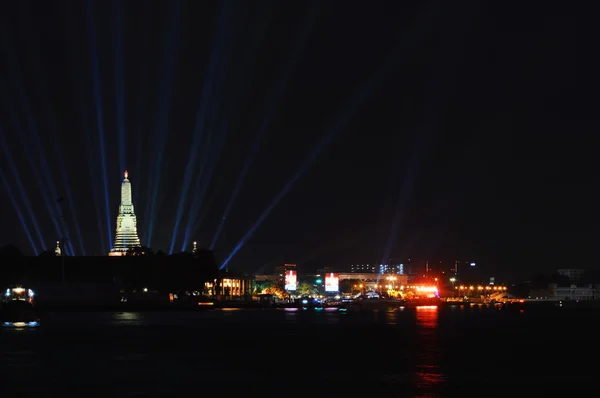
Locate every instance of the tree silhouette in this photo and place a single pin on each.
(139, 251)
(48, 253)
(10, 251)
(271, 287)
(182, 255)
(186, 271)
(305, 289)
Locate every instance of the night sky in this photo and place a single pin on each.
(438, 131)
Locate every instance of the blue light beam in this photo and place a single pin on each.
(210, 161)
(170, 47)
(32, 127)
(120, 81)
(432, 114)
(88, 141)
(99, 113)
(356, 102)
(49, 116)
(90, 160)
(203, 179)
(15, 204)
(209, 202)
(24, 197)
(264, 14)
(413, 167)
(278, 91)
(200, 124)
(45, 184)
(141, 105)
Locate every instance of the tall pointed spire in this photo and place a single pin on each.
(127, 236)
(57, 251)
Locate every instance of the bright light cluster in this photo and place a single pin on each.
(427, 289)
(496, 288)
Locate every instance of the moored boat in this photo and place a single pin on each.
(18, 309)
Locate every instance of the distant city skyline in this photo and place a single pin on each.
(275, 133)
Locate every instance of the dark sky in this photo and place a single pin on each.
(440, 131)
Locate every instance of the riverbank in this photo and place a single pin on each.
(78, 306)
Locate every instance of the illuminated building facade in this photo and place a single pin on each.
(230, 287)
(363, 268)
(127, 236)
(381, 268)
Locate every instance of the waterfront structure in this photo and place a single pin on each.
(381, 268)
(126, 237)
(370, 268)
(575, 275)
(229, 286)
(268, 278)
(569, 293)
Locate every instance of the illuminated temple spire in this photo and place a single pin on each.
(126, 237)
(57, 251)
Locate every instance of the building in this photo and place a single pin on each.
(571, 292)
(281, 269)
(268, 277)
(230, 286)
(574, 292)
(381, 268)
(574, 275)
(126, 237)
(277, 275)
(400, 280)
(369, 268)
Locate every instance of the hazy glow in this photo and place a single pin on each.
(332, 282)
(291, 279)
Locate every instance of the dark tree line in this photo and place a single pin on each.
(141, 267)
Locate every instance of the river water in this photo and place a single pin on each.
(423, 352)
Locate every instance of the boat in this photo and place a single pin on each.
(377, 303)
(421, 302)
(18, 308)
(309, 303)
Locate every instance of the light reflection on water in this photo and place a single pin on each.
(229, 309)
(126, 317)
(428, 370)
(391, 316)
(408, 352)
(329, 316)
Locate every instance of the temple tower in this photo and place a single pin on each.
(127, 236)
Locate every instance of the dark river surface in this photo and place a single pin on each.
(423, 352)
